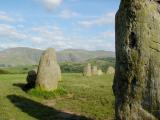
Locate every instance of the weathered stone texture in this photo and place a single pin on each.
(110, 70)
(99, 72)
(87, 70)
(137, 77)
(94, 70)
(59, 73)
(48, 71)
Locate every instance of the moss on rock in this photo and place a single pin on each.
(137, 79)
(48, 71)
(87, 70)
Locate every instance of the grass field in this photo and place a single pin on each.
(87, 99)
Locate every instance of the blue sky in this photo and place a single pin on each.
(61, 24)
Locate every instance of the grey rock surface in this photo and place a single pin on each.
(48, 71)
(137, 77)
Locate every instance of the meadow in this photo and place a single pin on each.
(87, 98)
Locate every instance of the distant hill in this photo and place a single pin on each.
(20, 56)
(73, 55)
(27, 56)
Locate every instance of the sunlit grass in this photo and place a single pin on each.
(87, 96)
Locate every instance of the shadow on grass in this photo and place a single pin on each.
(23, 86)
(40, 111)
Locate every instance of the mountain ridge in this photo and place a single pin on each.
(25, 55)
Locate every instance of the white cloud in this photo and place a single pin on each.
(108, 34)
(91, 43)
(66, 14)
(51, 4)
(39, 37)
(5, 17)
(55, 37)
(49, 33)
(48, 36)
(7, 31)
(9, 45)
(108, 18)
(37, 40)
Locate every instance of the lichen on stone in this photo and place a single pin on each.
(137, 76)
(49, 72)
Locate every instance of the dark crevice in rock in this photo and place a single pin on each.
(154, 49)
(158, 7)
(133, 40)
(155, 42)
(158, 1)
(133, 84)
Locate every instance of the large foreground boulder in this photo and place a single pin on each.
(87, 70)
(137, 77)
(48, 71)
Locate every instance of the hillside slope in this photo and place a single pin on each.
(24, 56)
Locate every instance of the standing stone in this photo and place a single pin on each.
(110, 70)
(94, 70)
(87, 70)
(99, 72)
(137, 76)
(59, 73)
(48, 71)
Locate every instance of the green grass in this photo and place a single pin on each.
(20, 69)
(47, 94)
(3, 72)
(87, 97)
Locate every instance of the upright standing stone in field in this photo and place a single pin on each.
(48, 71)
(87, 70)
(59, 73)
(99, 72)
(110, 70)
(137, 78)
(94, 70)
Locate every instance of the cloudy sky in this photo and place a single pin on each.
(61, 24)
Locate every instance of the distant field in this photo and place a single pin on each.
(66, 67)
(87, 99)
(21, 69)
